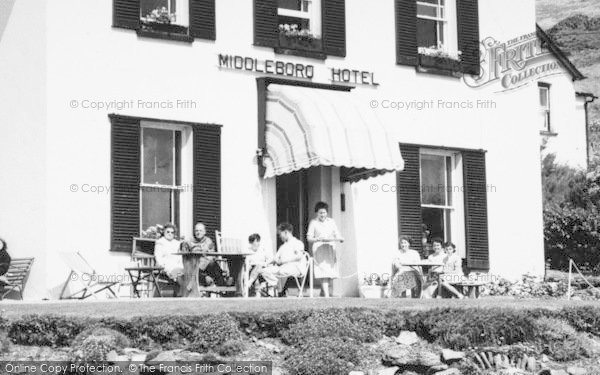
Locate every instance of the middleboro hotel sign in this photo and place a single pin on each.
(295, 70)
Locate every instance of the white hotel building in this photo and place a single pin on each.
(113, 120)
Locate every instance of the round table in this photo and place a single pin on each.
(416, 266)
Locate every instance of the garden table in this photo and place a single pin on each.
(191, 268)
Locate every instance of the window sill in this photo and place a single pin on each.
(164, 34)
(439, 65)
(548, 133)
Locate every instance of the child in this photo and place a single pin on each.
(258, 260)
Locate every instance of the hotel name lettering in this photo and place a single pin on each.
(295, 70)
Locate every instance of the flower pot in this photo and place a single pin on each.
(372, 291)
(164, 27)
(439, 62)
(302, 43)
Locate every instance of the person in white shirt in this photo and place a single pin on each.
(164, 253)
(290, 259)
(441, 273)
(259, 259)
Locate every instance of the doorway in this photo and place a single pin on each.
(292, 203)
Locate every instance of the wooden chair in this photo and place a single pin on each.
(91, 282)
(142, 254)
(16, 276)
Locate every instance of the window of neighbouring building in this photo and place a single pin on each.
(307, 28)
(163, 172)
(438, 36)
(544, 93)
(180, 20)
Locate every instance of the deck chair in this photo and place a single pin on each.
(16, 276)
(82, 271)
(301, 279)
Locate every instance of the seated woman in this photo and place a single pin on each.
(4, 262)
(441, 274)
(164, 253)
(405, 279)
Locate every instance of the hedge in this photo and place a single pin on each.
(458, 328)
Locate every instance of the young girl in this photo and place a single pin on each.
(322, 235)
(258, 260)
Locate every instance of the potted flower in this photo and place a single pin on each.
(292, 37)
(373, 287)
(432, 57)
(160, 19)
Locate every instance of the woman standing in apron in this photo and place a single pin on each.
(322, 235)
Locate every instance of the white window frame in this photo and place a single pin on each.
(448, 23)
(182, 16)
(311, 11)
(545, 110)
(455, 192)
(186, 178)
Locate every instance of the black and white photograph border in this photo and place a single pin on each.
(300, 187)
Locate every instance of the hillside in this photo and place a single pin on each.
(551, 12)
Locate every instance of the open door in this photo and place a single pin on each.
(292, 203)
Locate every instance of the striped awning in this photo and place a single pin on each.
(308, 127)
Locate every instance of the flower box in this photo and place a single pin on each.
(439, 62)
(300, 42)
(164, 27)
(372, 291)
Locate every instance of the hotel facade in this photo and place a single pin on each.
(119, 115)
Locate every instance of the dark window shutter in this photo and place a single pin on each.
(207, 176)
(468, 36)
(476, 223)
(202, 19)
(126, 14)
(334, 27)
(408, 190)
(406, 33)
(265, 23)
(125, 181)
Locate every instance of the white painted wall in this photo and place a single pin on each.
(23, 208)
(86, 59)
(567, 122)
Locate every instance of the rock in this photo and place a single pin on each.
(397, 356)
(356, 373)
(112, 356)
(407, 338)
(388, 371)
(441, 367)
(531, 364)
(452, 356)
(544, 358)
(428, 359)
(135, 355)
(558, 372)
(450, 371)
(270, 347)
(572, 370)
(167, 356)
(277, 371)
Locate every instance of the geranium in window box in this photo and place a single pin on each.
(438, 58)
(291, 37)
(160, 20)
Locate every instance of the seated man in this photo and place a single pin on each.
(210, 273)
(289, 260)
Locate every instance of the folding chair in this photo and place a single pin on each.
(307, 273)
(16, 276)
(82, 271)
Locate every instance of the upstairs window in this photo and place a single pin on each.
(544, 92)
(301, 16)
(431, 23)
(165, 12)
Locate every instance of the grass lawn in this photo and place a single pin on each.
(178, 306)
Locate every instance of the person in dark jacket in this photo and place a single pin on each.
(4, 261)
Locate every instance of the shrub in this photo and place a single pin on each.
(466, 328)
(324, 356)
(213, 331)
(332, 323)
(559, 340)
(120, 340)
(269, 324)
(45, 330)
(95, 346)
(231, 348)
(583, 319)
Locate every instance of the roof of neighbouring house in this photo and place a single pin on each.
(586, 95)
(558, 53)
